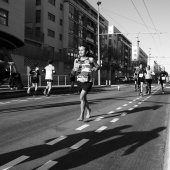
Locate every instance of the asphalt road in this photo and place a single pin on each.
(125, 131)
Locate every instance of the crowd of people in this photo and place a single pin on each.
(144, 75)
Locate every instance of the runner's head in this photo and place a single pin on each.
(83, 50)
(50, 62)
(141, 66)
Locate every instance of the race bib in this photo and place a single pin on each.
(140, 75)
(86, 67)
(82, 78)
(163, 78)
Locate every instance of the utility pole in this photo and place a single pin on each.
(99, 3)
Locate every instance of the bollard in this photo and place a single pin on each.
(118, 88)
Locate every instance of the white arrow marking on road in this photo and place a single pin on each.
(82, 127)
(119, 108)
(114, 120)
(125, 104)
(14, 162)
(110, 112)
(47, 165)
(101, 129)
(79, 144)
(131, 109)
(57, 140)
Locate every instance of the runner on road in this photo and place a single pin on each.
(84, 65)
(141, 78)
(136, 78)
(34, 75)
(162, 79)
(49, 70)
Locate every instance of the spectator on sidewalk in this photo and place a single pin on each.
(34, 76)
(49, 70)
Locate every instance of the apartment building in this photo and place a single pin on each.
(120, 49)
(12, 23)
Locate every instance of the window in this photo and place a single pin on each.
(61, 7)
(52, 2)
(5, 1)
(51, 33)
(110, 42)
(71, 12)
(3, 17)
(51, 17)
(81, 18)
(60, 36)
(38, 2)
(60, 51)
(61, 22)
(51, 49)
(80, 31)
(38, 16)
(71, 26)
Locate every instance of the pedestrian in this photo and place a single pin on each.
(72, 76)
(136, 79)
(141, 78)
(148, 78)
(84, 65)
(34, 76)
(162, 79)
(49, 70)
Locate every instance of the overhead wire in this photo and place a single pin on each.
(145, 25)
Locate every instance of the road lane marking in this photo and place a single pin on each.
(79, 144)
(14, 162)
(123, 114)
(130, 102)
(134, 100)
(137, 98)
(47, 165)
(125, 104)
(119, 108)
(140, 103)
(110, 112)
(37, 98)
(131, 109)
(15, 100)
(82, 127)
(23, 100)
(101, 129)
(135, 106)
(99, 118)
(56, 140)
(114, 120)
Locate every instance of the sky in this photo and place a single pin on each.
(149, 17)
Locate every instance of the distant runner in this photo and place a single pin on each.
(163, 76)
(141, 78)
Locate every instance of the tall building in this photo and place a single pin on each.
(12, 23)
(65, 24)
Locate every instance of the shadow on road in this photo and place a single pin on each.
(99, 145)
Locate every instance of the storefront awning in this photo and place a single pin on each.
(10, 41)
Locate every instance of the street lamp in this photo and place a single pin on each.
(98, 3)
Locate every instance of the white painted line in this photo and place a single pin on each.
(101, 129)
(118, 108)
(99, 118)
(82, 127)
(23, 100)
(15, 100)
(135, 106)
(125, 104)
(14, 162)
(137, 98)
(131, 109)
(29, 98)
(134, 100)
(2, 103)
(37, 98)
(47, 165)
(110, 112)
(123, 114)
(114, 120)
(79, 144)
(130, 102)
(140, 103)
(56, 140)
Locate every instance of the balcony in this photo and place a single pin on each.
(90, 28)
(90, 39)
(33, 34)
